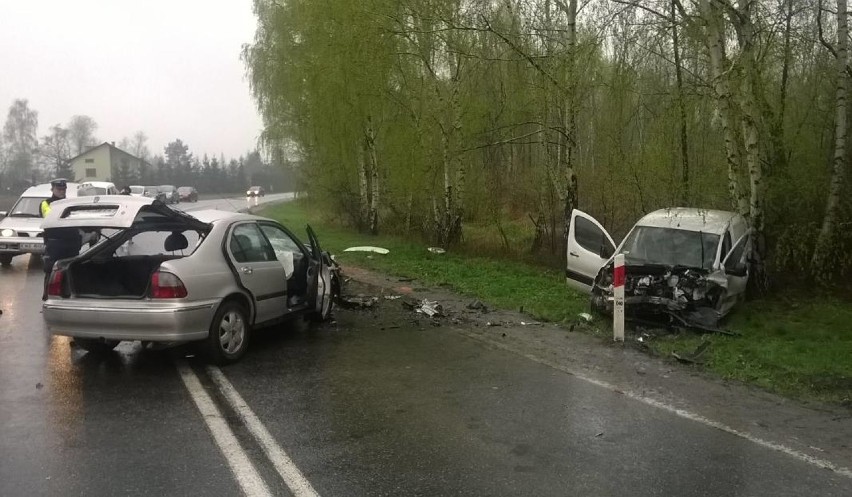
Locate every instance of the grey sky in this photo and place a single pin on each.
(170, 68)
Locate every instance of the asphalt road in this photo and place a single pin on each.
(378, 402)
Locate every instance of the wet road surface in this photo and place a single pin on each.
(378, 402)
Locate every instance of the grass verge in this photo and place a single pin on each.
(795, 345)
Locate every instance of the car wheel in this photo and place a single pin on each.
(229, 334)
(95, 345)
(6, 259)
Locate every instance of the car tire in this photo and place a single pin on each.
(6, 259)
(96, 345)
(229, 334)
(325, 313)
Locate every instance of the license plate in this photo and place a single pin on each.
(30, 246)
(2, 245)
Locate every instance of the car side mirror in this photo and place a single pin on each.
(740, 270)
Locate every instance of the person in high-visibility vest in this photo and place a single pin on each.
(60, 243)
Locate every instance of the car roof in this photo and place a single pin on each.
(97, 184)
(215, 215)
(690, 219)
(43, 190)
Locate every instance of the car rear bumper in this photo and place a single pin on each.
(130, 319)
(21, 245)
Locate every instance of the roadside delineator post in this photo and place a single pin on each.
(618, 299)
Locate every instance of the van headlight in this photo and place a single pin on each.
(7, 232)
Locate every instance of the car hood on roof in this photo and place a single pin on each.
(118, 212)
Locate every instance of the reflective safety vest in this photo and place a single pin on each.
(44, 208)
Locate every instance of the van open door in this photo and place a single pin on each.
(589, 248)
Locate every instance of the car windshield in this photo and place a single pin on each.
(167, 189)
(671, 247)
(137, 189)
(26, 207)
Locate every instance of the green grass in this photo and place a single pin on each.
(799, 346)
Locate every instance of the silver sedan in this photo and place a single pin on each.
(161, 275)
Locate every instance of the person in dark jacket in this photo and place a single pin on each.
(59, 243)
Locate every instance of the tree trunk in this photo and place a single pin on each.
(721, 87)
(684, 145)
(373, 168)
(820, 263)
(363, 186)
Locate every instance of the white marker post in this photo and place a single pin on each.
(618, 299)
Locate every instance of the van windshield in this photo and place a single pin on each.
(670, 247)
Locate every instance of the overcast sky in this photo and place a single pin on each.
(170, 68)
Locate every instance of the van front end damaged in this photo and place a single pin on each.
(689, 296)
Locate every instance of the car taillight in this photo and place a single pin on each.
(166, 286)
(54, 286)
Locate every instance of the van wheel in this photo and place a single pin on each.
(6, 259)
(96, 345)
(229, 334)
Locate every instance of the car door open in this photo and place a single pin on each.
(589, 248)
(319, 275)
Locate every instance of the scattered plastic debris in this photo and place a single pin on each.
(532, 323)
(430, 308)
(39, 386)
(493, 323)
(436, 250)
(377, 250)
(477, 305)
(695, 357)
(392, 297)
(358, 301)
(585, 316)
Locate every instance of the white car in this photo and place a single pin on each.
(686, 263)
(137, 190)
(91, 188)
(20, 228)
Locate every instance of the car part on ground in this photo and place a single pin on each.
(375, 250)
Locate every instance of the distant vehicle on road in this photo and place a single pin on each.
(255, 191)
(166, 276)
(92, 188)
(188, 194)
(137, 190)
(171, 194)
(154, 192)
(20, 228)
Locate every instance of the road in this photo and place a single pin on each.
(378, 402)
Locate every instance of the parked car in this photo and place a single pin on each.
(188, 194)
(91, 188)
(154, 192)
(171, 194)
(166, 276)
(255, 191)
(137, 190)
(685, 263)
(20, 228)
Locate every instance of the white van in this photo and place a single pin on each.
(20, 228)
(92, 188)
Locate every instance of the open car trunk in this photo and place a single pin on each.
(125, 277)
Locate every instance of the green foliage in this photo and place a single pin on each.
(487, 87)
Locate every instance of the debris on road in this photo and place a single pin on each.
(430, 308)
(358, 301)
(392, 297)
(377, 250)
(477, 305)
(585, 317)
(493, 323)
(436, 250)
(695, 357)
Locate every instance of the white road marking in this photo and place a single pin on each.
(801, 456)
(291, 475)
(244, 471)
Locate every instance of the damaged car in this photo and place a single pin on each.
(161, 275)
(686, 264)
